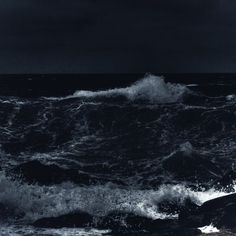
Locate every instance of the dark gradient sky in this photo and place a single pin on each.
(111, 36)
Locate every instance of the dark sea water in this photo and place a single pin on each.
(132, 146)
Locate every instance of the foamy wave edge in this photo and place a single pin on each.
(151, 88)
(43, 201)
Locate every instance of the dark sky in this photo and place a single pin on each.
(117, 36)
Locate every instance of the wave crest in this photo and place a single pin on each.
(151, 88)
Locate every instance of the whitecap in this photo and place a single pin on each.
(151, 88)
(209, 229)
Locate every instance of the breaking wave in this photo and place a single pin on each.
(151, 88)
(31, 202)
(145, 149)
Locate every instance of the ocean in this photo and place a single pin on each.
(112, 143)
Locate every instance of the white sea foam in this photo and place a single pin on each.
(151, 88)
(19, 230)
(41, 201)
(209, 229)
(231, 97)
(192, 85)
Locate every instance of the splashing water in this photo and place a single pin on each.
(151, 88)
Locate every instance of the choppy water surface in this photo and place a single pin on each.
(134, 147)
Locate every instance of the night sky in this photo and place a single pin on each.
(125, 36)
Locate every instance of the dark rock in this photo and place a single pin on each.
(218, 203)
(185, 214)
(227, 217)
(116, 221)
(36, 172)
(78, 219)
(167, 232)
(220, 211)
(120, 223)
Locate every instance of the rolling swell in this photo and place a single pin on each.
(143, 149)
